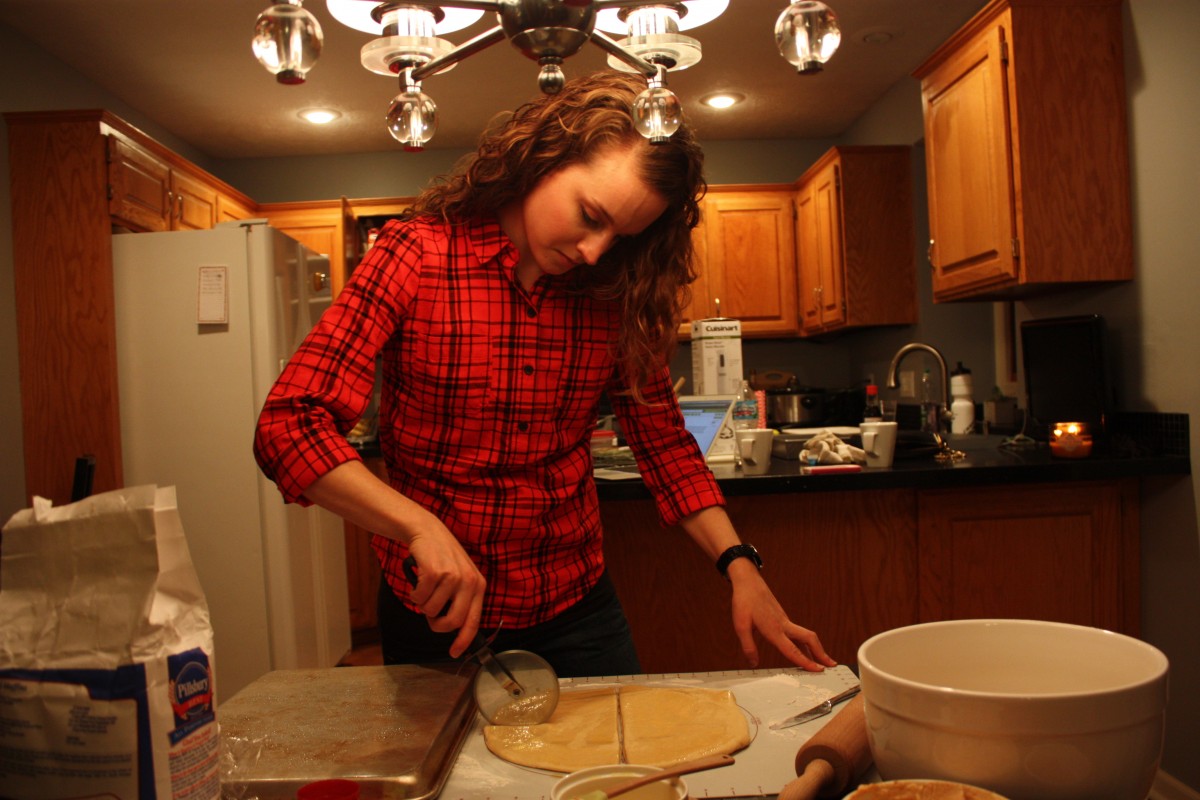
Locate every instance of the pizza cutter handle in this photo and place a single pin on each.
(479, 645)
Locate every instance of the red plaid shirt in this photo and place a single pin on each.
(489, 398)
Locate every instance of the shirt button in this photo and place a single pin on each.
(530, 311)
(522, 426)
(527, 369)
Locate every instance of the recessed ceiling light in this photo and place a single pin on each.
(722, 99)
(876, 36)
(319, 116)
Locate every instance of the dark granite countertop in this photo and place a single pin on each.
(986, 461)
(1147, 444)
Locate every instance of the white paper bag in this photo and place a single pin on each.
(106, 653)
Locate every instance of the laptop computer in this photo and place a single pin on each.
(709, 418)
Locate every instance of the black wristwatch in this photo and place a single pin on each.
(737, 551)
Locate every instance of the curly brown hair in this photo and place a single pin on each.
(648, 274)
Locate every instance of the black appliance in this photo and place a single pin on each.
(1066, 374)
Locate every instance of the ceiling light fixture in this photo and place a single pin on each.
(288, 40)
(807, 35)
(319, 116)
(722, 100)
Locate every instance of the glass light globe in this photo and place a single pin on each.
(657, 114)
(287, 41)
(807, 35)
(412, 118)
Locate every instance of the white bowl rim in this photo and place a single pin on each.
(864, 663)
(630, 770)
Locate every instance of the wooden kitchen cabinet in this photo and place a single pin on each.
(231, 209)
(332, 227)
(856, 242)
(746, 260)
(79, 174)
(852, 564)
(1065, 552)
(842, 563)
(1027, 151)
(148, 192)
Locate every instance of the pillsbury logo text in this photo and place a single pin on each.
(190, 682)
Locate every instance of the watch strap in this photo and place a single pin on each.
(735, 552)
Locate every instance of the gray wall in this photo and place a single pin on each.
(1151, 319)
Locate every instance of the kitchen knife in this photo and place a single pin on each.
(817, 711)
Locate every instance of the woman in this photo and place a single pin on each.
(547, 271)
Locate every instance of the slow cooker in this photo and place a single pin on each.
(795, 405)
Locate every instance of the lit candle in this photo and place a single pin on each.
(1070, 440)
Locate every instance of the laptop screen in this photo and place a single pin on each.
(704, 416)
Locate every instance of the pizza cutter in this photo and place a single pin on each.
(515, 687)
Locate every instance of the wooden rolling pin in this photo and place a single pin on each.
(830, 762)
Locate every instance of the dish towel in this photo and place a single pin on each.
(827, 448)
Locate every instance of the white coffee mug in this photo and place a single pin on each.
(755, 449)
(879, 442)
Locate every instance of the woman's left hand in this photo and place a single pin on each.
(754, 605)
(756, 609)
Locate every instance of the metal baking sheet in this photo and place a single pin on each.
(763, 768)
(395, 730)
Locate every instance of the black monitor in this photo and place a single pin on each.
(1066, 374)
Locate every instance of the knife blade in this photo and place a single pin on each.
(817, 711)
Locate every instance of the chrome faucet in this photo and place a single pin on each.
(943, 415)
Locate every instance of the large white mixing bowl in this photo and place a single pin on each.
(1028, 709)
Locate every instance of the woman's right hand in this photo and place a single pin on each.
(448, 579)
(450, 588)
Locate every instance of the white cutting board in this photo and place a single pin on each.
(763, 768)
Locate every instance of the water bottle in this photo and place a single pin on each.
(963, 407)
(745, 416)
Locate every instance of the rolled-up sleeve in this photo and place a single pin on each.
(668, 457)
(327, 384)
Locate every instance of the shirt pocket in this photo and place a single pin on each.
(584, 370)
(452, 367)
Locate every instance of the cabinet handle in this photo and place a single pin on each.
(929, 253)
(170, 205)
(178, 206)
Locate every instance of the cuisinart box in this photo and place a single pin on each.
(717, 356)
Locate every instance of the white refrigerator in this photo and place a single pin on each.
(205, 321)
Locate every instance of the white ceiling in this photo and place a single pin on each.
(187, 65)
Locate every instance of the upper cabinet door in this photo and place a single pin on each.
(1027, 151)
(822, 258)
(857, 254)
(969, 163)
(749, 260)
(195, 203)
(139, 187)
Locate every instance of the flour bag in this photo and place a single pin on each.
(106, 653)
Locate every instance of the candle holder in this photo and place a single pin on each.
(1070, 440)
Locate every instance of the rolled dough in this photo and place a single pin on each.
(656, 726)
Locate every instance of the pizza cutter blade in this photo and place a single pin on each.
(515, 687)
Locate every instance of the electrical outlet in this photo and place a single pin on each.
(908, 383)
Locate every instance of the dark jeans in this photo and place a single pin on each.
(590, 638)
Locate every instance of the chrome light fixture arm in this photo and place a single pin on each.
(610, 46)
(464, 50)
